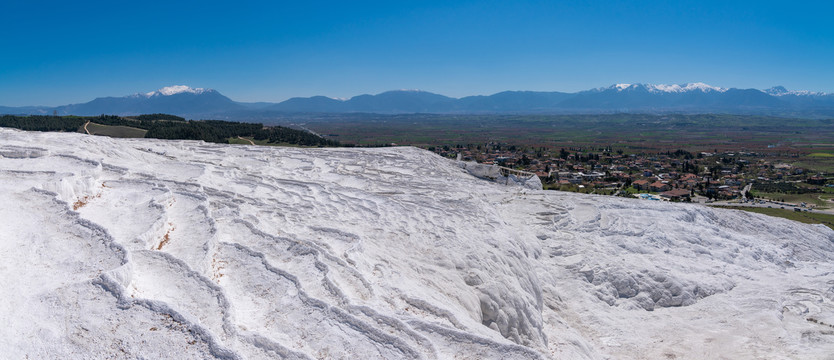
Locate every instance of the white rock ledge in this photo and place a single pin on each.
(181, 249)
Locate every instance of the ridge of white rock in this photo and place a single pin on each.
(181, 249)
(495, 174)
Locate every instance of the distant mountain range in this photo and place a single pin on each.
(627, 98)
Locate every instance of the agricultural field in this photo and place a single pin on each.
(825, 164)
(803, 217)
(819, 200)
(114, 131)
(631, 133)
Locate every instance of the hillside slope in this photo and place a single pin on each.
(180, 249)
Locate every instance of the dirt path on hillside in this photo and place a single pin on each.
(242, 138)
(85, 128)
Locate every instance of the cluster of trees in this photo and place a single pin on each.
(280, 134)
(564, 154)
(207, 130)
(113, 120)
(687, 166)
(377, 145)
(163, 126)
(159, 117)
(680, 154)
(185, 130)
(220, 131)
(782, 187)
(42, 123)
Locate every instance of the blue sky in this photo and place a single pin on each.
(67, 52)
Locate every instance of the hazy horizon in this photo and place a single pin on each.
(381, 92)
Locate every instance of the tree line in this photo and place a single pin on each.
(42, 122)
(163, 126)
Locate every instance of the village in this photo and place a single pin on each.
(672, 175)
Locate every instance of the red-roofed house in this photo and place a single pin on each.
(675, 194)
(641, 184)
(658, 186)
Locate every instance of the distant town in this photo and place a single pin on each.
(673, 175)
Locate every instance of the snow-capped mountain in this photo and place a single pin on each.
(177, 100)
(804, 100)
(177, 89)
(687, 87)
(634, 98)
(117, 248)
(662, 88)
(781, 91)
(693, 97)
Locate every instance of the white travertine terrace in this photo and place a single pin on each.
(181, 249)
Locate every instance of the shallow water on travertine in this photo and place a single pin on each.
(181, 249)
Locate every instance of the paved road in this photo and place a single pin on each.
(745, 190)
(768, 203)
